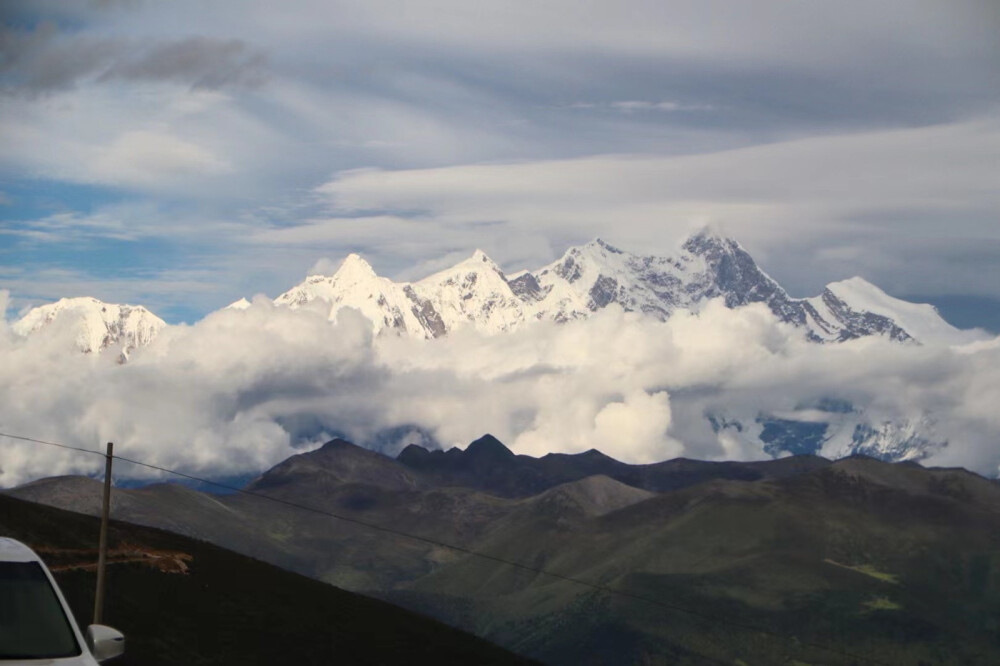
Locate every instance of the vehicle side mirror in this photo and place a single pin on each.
(104, 642)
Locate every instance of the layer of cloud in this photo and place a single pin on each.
(242, 390)
(45, 59)
(149, 157)
(877, 203)
(835, 177)
(145, 142)
(635, 106)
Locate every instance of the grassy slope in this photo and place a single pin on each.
(232, 609)
(892, 561)
(895, 563)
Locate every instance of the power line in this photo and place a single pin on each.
(42, 441)
(468, 551)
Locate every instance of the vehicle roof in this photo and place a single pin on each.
(12, 550)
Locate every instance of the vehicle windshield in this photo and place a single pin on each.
(32, 622)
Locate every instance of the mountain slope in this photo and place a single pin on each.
(337, 461)
(388, 305)
(93, 325)
(476, 293)
(919, 320)
(891, 561)
(589, 278)
(453, 496)
(219, 608)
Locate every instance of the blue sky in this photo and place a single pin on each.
(182, 155)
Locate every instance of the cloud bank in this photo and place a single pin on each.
(818, 208)
(46, 59)
(243, 389)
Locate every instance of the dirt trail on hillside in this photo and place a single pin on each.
(85, 559)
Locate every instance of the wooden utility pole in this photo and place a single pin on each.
(102, 551)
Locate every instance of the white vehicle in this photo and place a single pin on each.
(36, 625)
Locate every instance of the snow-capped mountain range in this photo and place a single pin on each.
(95, 325)
(476, 293)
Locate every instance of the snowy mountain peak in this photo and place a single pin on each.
(859, 283)
(709, 235)
(602, 245)
(719, 250)
(94, 324)
(920, 320)
(480, 256)
(478, 261)
(473, 293)
(587, 278)
(354, 267)
(353, 273)
(391, 307)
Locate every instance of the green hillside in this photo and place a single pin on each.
(798, 560)
(227, 609)
(880, 563)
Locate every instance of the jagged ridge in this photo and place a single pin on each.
(476, 293)
(591, 277)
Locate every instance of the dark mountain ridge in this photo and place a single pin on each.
(487, 465)
(337, 461)
(893, 561)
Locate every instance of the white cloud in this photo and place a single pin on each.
(152, 139)
(148, 158)
(193, 399)
(324, 266)
(865, 195)
(767, 32)
(240, 390)
(834, 177)
(632, 106)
